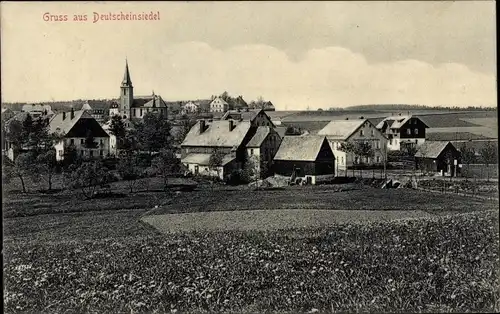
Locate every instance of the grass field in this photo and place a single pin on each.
(269, 220)
(102, 258)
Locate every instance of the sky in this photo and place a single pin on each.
(297, 54)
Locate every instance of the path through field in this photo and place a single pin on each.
(268, 220)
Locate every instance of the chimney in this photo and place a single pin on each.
(202, 126)
(231, 125)
(64, 115)
(72, 113)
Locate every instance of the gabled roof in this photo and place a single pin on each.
(79, 126)
(300, 148)
(156, 102)
(219, 98)
(431, 149)
(341, 129)
(243, 115)
(59, 125)
(204, 159)
(217, 134)
(259, 136)
(396, 122)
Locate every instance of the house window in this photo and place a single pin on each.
(91, 152)
(101, 153)
(373, 133)
(251, 151)
(196, 169)
(416, 131)
(408, 131)
(378, 158)
(72, 141)
(82, 141)
(60, 153)
(361, 133)
(342, 160)
(100, 141)
(140, 112)
(390, 141)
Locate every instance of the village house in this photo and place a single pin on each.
(309, 158)
(37, 110)
(7, 114)
(402, 131)
(218, 105)
(230, 137)
(351, 131)
(8, 148)
(77, 127)
(196, 106)
(237, 103)
(135, 107)
(257, 117)
(438, 157)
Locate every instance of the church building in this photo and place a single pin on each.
(131, 107)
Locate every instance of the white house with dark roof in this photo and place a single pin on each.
(310, 158)
(403, 130)
(77, 126)
(343, 131)
(37, 110)
(218, 105)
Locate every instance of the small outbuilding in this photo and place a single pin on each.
(438, 157)
(308, 157)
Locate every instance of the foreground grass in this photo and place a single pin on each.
(444, 263)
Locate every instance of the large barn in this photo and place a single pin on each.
(308, 157)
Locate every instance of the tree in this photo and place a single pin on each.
(185, 127)
(45, 166)
(88, 177)
(357, 149)
(129, 169)
(20, 168)
(164, 165)
(15, 133)
(250, 171)
(488, 156)
(468, 156)
(291, 130)
(215, 161)
(153, 133)
(117, 128)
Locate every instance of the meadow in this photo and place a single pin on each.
(100, 255)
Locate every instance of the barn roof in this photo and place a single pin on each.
(431, 149)
(259, 136)
(217, 134)
(300, 148)
(341, 129)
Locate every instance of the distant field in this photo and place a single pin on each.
(482, 132)
(435, 135)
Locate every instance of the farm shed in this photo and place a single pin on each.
(307, 157)
(438, 156)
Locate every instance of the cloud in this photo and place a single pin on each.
(326, 77)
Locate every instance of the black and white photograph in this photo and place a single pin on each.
(249, 157)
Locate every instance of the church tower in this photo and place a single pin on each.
(126, 93)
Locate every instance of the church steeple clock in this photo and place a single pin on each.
(126, 93)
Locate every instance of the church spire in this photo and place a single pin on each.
(126, 77)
